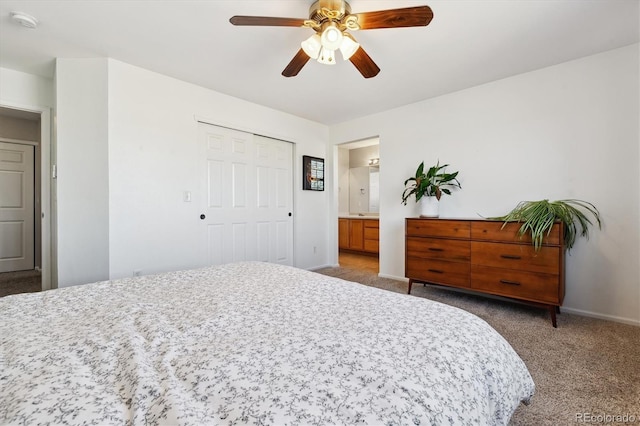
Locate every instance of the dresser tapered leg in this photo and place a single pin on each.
(552, 310)
(410, 284)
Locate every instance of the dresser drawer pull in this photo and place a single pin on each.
(510, 256)
(435, 249)
(436, 271)
(509, 282)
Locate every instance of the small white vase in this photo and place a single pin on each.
(429, 206)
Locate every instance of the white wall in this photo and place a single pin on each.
(134, 130)
(22, 89)
(567, 131)
(19, 128)
(83, 171)
(153, 159)
(359, 157)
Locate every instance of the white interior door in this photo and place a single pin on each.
(16, 207)
(247, 197)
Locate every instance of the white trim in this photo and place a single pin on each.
(19, 141)
(563, 309)
(393, 277)
(583, 313)
(48, 250)
(315, 268)
(243, 128)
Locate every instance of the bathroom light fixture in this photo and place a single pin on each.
(24, 19)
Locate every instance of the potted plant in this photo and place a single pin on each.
(428, 187)
(537, 218)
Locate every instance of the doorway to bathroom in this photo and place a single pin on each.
(358, 165)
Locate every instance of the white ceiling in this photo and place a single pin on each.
(469, 42)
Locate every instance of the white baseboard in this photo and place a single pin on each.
(590, 314)
(315, 268)
(568, 310)
(393, 277)
(581, 312)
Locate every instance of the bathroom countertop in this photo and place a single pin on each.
(355, 216)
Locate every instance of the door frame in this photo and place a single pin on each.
(48, 267)
(334, 253)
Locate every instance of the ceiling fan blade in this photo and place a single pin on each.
(296, 64)
(364, 63)
(266, 21)
(419, 16)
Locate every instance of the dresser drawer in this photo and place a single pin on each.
(493, 231)
(517, 284)
(438, 271)
(522, 257)
(438, 248)
(438, 228)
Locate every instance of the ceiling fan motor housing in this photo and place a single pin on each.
(339, 9)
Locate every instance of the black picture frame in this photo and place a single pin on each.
(312, 173)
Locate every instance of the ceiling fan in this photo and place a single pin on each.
(331, 19)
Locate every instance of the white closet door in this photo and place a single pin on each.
(247, 197)
(16, 207)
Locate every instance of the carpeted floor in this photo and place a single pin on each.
(585, 367)
(20, 282)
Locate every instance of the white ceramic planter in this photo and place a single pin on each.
(429, 207)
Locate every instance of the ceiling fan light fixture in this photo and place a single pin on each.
(327, 56)
(312, 46)
(331, 37)
(349, 46)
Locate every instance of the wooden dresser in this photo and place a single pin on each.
(481, 256)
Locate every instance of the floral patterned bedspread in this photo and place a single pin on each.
(250, 343)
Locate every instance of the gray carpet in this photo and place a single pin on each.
(584, 366)
(20, 282)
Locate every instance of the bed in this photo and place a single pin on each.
(250, 343)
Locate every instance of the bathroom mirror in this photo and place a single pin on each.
(358, 165)
(364, 190)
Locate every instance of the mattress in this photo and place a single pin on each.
(250, 343)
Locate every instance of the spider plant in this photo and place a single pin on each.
(537, 217)
(434, 183)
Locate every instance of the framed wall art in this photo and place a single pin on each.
(312, 173)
